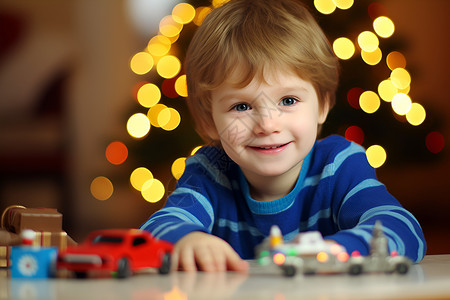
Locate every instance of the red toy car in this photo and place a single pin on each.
(121, 250)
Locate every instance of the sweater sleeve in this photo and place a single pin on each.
(360, 200)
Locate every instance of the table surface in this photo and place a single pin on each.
(429, 279)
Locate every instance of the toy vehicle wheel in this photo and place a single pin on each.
(80, 275)
(401, 268)
(355, 270)
(165, 264)
(289, 271)
(123, 268)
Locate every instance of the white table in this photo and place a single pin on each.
(428, 280)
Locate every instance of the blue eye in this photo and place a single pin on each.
(241, 107)
(288, 101)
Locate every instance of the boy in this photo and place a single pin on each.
(261, 81)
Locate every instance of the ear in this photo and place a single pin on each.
(324, 110)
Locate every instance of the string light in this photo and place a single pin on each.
(183, 13)
(416, 114)
(153, 114)
(141, 63)
(400, 78)
(384, 27)
(325, 7)
(368, 41)
(372, 58)
(159, 45)
(401, 104)
(343, 48)
(178, 167)
(376, 155)
(139, 176)
(369, 102)
(138, 125)
(148, 95)
(116, 152)
(387, 90)
(168, 66)
(153, 190)
(101, 188)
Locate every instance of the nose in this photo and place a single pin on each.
(267, 122)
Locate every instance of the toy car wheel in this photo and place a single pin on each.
(123, 268)
(289, 271)
(355, 270)
(165, 264)
(80, 275)
(401, 268)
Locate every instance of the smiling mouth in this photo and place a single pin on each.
(268, 147)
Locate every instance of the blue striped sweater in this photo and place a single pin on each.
(337, 193)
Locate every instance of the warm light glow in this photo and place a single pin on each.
(183, 13)
(217, 3)
(384, 27)
(368, 41)
(416, 114)
(138, 125)
(153, 190)
(139, 176)
(322, 257)
(387, 90)
(178, 167)
(435, 142)
(116, 153)
(169, 119)
(200, 14)
(279, 258)
(354, 134)
(168, 66)
(400, 78)
(195, 150)
(369, 102)
(325, 7)
(159, 45)
(353, 97)
(180, 86)
(395, 60)
(343, 48)
(169, 27)
(376, 155)
(101, 188)
(141, 63)
(343, 256)
(148, 95)
(343, 4)
(401, 104)
(372, 58)
(153, 113)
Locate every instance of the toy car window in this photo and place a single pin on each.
(139, 241)
(107, 239)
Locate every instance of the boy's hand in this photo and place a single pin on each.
(205, 252)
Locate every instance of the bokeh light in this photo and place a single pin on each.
(355, 134)
(400, 78)
(416, 114)
(153, 113)
(148, 95)
(387, 90)
(368, 41)
(159, 45)
(181, 86)
(353, 97)
(369, 102)
(217, 3)
(116, 152)
(141, 63)
(101, 188)
(372, 58)
(153, 190)
(401, 104)
(384, 27)
(138, 125)
(435, 142)
(195, 150)
(183, 13)
(343, 4)
(178, 167)
(395, 60)
(200, 14)
(139, 176)
(169, 27)
(376, 155)
(343, 48)
(168, 88)
(325, 7)
(169, 119)
(168, 66)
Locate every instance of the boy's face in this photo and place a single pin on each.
(269, 126)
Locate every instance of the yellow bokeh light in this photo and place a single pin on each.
(101, 188)
(178, 167)
(168, 66)
(322, 257)
(183, 13)
(153, 113)
(400, 78)
(195, 150)
(148, 95)
(159, 45)
(416, 114)
(200, 14)
(169, 119)
(368, 41)
(180, 86)
(138, 125)
(376, 155)
(372, 58)
(401, 104)
(343, 48)
(141, 63)
(139, 176)
(395, 60)
(369, 102)
(168, 27)
(153, 190)
(217, 3)
(387, 90)
(325, 7)
(384, 27)
(343, 4)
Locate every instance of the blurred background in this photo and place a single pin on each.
(93, 120)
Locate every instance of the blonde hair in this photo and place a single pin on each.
(254, 35)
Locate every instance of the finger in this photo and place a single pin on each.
(206, 259)
(234, 262)
(187, 260)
